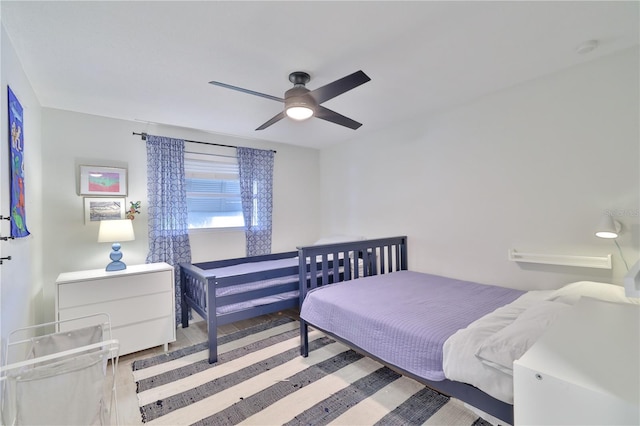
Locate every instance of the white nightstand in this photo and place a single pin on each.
(585, 370)
(139, 299)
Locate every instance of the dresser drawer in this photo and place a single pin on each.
(115, 288)
(139, 336)
(125, 311)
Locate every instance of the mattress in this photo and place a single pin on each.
(403, 318)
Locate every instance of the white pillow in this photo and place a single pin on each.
(338, 239)
(571, 293)
(505, 346)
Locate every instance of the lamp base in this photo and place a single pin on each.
(116, 266)
(115, 256)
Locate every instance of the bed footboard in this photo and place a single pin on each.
(361, 259)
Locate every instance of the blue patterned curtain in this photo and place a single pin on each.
(168, 237)
(256, 190)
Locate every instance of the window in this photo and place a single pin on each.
(213, 191)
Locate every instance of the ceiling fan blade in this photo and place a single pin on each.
(334, 117)
(274, 120)
(338, 87)
(251, 92)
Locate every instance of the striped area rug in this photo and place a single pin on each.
(261, 379)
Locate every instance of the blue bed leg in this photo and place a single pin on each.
(185, 315)
(183, 299)
(304, 338)
(212, 323)
(213, 344)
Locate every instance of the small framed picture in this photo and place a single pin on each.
(103, 181)
(103, 208)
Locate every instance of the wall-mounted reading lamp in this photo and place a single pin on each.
(609, 228)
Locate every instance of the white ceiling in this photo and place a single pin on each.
(152, 61)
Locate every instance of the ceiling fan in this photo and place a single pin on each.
(301, 103)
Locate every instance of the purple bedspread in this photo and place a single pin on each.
(403, 318)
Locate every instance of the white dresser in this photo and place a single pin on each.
(585, 370)
(139, 299)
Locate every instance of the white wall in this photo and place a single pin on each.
(20, 277)
(71, 139)
(530, 168)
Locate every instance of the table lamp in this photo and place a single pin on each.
(115, 231)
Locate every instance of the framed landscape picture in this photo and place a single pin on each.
(103, 208)
(105, 181)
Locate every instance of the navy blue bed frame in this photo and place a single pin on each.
(198, 293)
(381, 256)
(198, 286)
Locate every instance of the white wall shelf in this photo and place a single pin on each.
(601, 262)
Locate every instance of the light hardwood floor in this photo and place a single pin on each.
(129, 413)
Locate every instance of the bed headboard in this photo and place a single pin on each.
(350, 260)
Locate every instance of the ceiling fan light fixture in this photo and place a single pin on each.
(299, 112)
(298, 105)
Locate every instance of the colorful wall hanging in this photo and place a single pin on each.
(103, 208)
(103, 181)
(133, 210)
(16, 142)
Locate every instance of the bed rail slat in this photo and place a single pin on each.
(347, 259)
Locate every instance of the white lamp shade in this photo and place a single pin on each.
(112, 231)
(608, 228)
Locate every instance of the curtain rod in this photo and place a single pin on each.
(143, 136)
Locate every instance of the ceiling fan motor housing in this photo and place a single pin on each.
(298, 97)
